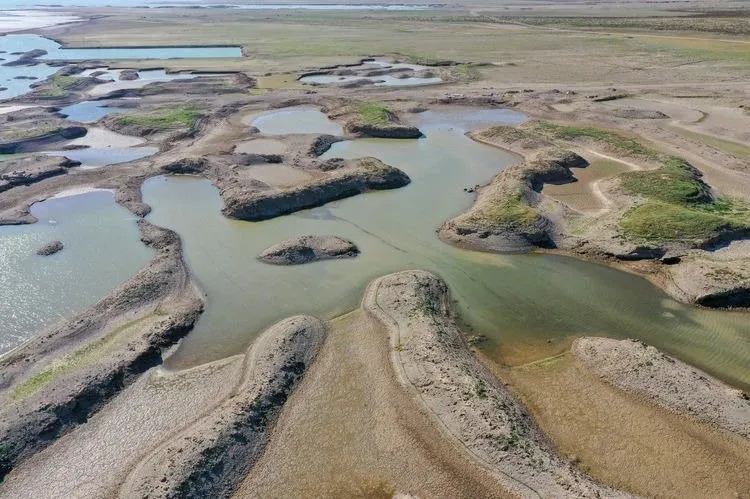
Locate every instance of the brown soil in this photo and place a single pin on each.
(356, 433)
(628, 442)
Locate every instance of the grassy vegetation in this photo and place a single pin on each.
(85, 356)
(11, 134)
(374, 113)
(505, 133)
(679, 205)
(737, 25)
(57, 86)
(466, 72)
(658, 221)
(509, 214)
(675, 182)
(617, 141)
(163, 119)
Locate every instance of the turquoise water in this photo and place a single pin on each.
(520, 302)
(102, 249)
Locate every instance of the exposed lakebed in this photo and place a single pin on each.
(528, 306)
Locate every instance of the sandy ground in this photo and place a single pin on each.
(629, 442)
(22, 20)
(101, 137)
(92, 460)
(356, 433)
(261, 146)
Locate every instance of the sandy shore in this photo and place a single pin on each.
(432, 361)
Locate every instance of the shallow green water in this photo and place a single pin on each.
(102, 249)
(519, 301)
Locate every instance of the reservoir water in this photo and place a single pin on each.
(528, 306)
(11, 44)
(102, 249)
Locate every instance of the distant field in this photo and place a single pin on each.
(276, 41)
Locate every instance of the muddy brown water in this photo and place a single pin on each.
(528, 306)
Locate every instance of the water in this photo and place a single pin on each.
(296, 120)
(519, 301)
(102, 249)
(24, 43)
(144, 78)
(89, 111)
(96, 157)
(8, 74)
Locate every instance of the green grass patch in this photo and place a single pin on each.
(82, 357)
(466, 72)
(622, 143)
(510, 214)
(422, 59)
(27, 133)
(163, 119)
(675, 182)
(374, 113)
(659, 221)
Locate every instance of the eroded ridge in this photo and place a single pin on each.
(211, 457)
(57, 380)
(641, 369)
(432, 360)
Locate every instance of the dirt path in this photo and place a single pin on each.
(350, 430)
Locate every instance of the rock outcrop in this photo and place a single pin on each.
(308, 248)
(28, 170)
(388, 131)
(50, 248)
(504, 217)
(212, 456)
(368, 174)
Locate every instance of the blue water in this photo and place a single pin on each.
(89, 111)
(24, 43)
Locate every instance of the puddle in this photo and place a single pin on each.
(295, 120)
(397, 79)
(89, 111)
